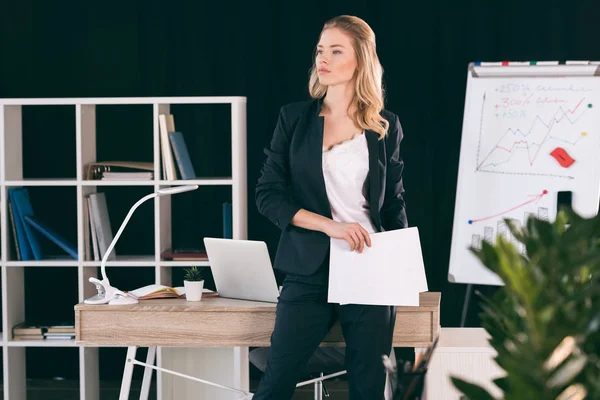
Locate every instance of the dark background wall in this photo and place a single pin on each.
(261, 50)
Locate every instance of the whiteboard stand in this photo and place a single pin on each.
(463, 317)
(530, 130)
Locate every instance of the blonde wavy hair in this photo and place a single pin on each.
(368, 98)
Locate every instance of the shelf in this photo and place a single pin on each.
(200, 182)
(42, 182)
(125, 261)
(59, 262)
(125, 100)
(74, 182)
(184, 263)
(42, 343)
(117, 183)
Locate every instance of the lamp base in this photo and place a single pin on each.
(99, 298)
(108, 294)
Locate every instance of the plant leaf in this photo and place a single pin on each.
(503, 384)
(471, 390)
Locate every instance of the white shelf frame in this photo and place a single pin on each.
(11, 175)
(78, 183)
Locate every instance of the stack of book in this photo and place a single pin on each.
(120, 170)
(37, 331)
(184, 254)
(25, 331)
(28, 229)
(60, 332)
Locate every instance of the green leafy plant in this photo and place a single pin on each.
(544, 323)
(193, 274)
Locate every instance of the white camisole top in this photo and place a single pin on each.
(345, 169)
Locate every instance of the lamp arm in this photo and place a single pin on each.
(123, 224)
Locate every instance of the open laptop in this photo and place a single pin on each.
(242, 269)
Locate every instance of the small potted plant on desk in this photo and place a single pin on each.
(193, 281)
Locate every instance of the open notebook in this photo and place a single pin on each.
(156, 291)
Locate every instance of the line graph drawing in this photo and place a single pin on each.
(518, 150)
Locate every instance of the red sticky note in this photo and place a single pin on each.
(563, 158)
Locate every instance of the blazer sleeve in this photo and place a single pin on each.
(272, 194)
(393, 211)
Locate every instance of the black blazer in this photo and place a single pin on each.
(292, 178)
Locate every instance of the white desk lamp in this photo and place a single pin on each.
(108, 294)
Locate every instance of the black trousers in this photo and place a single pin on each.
(303, 319)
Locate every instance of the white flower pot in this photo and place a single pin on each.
(193, 290)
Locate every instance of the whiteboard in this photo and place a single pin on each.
(528, 132)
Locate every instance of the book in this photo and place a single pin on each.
(185, 254)
(156, 291)
(93, 233)
(186, 169)
(101, 222)
(59, 337)
(28, 337)
(25, 328)
(166, 124)
(63, 330)
(14, 231)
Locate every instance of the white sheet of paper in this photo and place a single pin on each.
(390, 272)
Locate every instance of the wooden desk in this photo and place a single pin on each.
(220, 322)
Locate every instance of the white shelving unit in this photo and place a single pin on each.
(11, 175)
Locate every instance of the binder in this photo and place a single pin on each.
(227, 220)
(27, 237)
(54, 236)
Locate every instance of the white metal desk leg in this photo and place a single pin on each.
(148, 373)
(127, 373)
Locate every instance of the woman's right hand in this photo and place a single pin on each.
(351, 232)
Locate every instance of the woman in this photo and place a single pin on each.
(333, 170)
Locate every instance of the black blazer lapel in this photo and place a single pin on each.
(309, 153)
(374, 177)
(316, 144)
